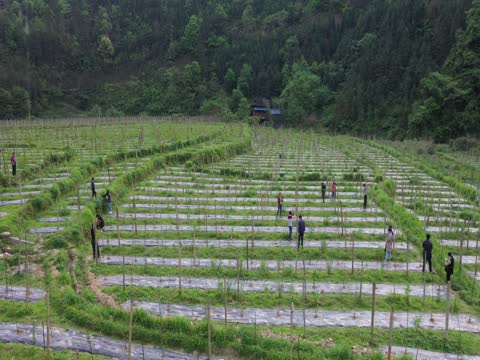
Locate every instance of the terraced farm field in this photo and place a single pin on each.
(195, 257)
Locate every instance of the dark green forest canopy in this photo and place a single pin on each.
(403, 68)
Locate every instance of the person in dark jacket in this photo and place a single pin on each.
(324, 191)
(13, 160)
(108, 201)
(427, 253)
(449, 265)
(301, 231)
(365, 195)
(93, 233)
(94, 192)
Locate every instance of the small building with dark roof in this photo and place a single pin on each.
(264, 109)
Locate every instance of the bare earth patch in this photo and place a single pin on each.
(103, 298)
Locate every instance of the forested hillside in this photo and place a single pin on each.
(391, 68)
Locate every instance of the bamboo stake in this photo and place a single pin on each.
(372, 322)
(291, 331)
(80, 215)
(238, 277)
(130, 329)
(447, 313)
(225, 299)
(47, 301)
(209, 355)
(27, 281)
(390, 336)
(180, 269)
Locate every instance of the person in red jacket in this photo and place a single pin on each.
(279, 204)
(334, 189)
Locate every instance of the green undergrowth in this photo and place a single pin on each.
(20, 312)
(201, 234)
(22, 352)
(122, 185)
(283, 300)
(462, 283)
(328, 222)
(79, 175)
(466, 191)
(458, 342)
(287, 274)
(182, 333)
(331, 215)
(263, 253)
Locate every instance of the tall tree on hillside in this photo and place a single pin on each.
(229, 81)
(450, 103)
(304, 95)
(193, 87)
(105, 50)
(245, 79)
(191, 35)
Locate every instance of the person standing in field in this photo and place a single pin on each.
(427, 253)
(365, 193)
(94, 192)
(301, 231)
(108, 201)
(324, 191)
(13, 160)
(279, 204)
(290, 219)
(334, 189)
(93, 234)
(389, 243)
(449, 265)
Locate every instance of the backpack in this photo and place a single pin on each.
(390, 236)
(101, 222)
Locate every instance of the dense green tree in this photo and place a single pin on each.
(191, 35)
(304, 95)
(245, 79)
(237, 96)
(229, 81)
(105, 49)
(6, 104)
(381, 67)
(243, 108)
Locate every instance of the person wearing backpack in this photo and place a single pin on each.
(449, 265)
(100, 222)
(108, 201)
(389, 244)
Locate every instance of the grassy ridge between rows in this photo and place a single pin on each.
(82, 309)
(466, 191)
(15, 222)
(121, 187)
(384, 195)
(413, 231)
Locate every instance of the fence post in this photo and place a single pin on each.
(372, 323)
